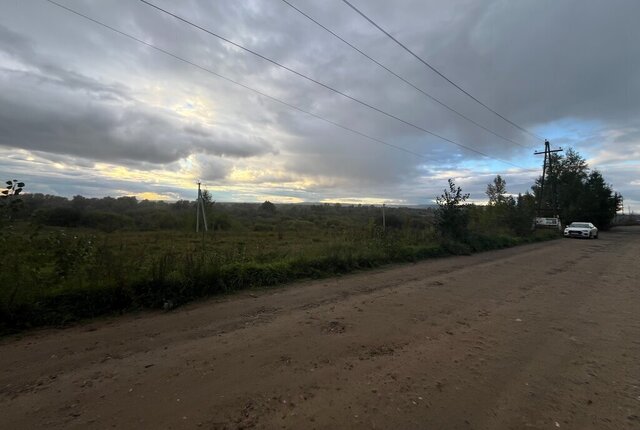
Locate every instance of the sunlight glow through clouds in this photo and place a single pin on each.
(364, 201)
(184, 177)
(187, 105)
(266, 177)
(195, 109)
(149, 195)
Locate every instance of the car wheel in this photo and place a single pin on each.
(596, 236)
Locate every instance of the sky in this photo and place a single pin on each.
(85, 110)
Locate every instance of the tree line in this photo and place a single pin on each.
(573, 192)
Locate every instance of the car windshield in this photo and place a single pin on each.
(579, 225)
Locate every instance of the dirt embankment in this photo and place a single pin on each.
(541, 336)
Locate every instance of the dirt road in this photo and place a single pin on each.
(542, 336)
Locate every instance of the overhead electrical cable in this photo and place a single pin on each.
(372, 22)
(308, 78)
(262, 94)
(441, 103)
(207, 70)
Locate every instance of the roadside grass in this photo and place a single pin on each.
(54, 276)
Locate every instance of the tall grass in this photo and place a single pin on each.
(57, 276)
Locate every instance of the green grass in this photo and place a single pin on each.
(52, 276)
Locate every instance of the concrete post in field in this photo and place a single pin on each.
(384, 220)
(200, 211)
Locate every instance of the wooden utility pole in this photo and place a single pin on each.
(547, 164)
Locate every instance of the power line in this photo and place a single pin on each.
(260, 93)
(363, 103)
(207, 70)
(441, 103)
(436, 70)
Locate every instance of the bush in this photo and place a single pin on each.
(221, 221)
(263, 227)
(59, 217)
(106, 221)
(61, 307)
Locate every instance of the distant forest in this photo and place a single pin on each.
(573, 191)
(127, 213)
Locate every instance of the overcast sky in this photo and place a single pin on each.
(84, 110)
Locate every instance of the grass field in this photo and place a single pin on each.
(54, 275)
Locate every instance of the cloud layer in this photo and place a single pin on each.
(86, 110)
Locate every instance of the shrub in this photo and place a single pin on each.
(263, 227)
(59, 217)
(106, 221)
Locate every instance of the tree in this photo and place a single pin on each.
(12, 189)
(525, 211)
(497, 190)
(600, 202)
(79, 202)
(207, 198)
(208, 202)
(575, 193)
(9, 200)
(451, 216)
(268, 207)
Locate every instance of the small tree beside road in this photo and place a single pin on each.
(451, 215)
(496, 191)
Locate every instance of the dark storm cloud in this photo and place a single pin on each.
(87, 128)
(48, 108)
(562, 59)
(213, 169)
(44, 71)
(227, 143)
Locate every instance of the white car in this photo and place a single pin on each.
(581, 229)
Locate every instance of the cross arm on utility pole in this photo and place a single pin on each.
(547, 149)
(551, 150)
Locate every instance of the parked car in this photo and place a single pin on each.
(581, 229)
